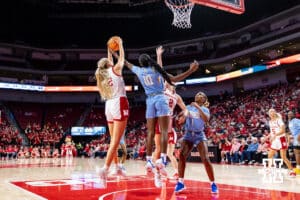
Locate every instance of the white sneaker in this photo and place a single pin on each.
(161, 167)
(122, 171)
(103, 177)
(118, 171)
(149, 168)
(114, 171)
(157, 180)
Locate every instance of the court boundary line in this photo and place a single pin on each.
(27, 191)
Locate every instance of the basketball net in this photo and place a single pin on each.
(182, 10)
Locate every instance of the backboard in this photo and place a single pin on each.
(233, 6)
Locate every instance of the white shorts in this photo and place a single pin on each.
(279, 143)
(116, 109)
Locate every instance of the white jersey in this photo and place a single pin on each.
(172, 99)
(117, 82)
(275, 126)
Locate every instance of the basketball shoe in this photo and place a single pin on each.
(157, 180)
(161, 167)
(149, 168)
(179, 187)
(214, 188)
(103, 177)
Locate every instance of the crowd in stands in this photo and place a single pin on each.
(50, 134)
(238, 126)
(239, 123)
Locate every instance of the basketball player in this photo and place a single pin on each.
(294, 126)
(112, 89)
(194, 122)
(152, 77)
(278, 140)
(174, 99)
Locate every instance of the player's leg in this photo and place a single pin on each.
(149, 144)
(111, 130)
(162, 113)
(118, 130)
(297, 157)
(170, 152)
(161, 163)
(124, 155)
(203, 151)
(271, 154)
(287, 162)
(185, 150)
(156, 153)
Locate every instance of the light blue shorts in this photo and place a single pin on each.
(195, 137)
(157, 106)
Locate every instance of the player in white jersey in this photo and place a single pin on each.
(278, 141)
(112, 89)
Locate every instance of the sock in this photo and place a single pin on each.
(212, 182)
(175, 171)
(163, 156)
(180, 180)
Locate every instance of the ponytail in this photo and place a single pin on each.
(101, 75)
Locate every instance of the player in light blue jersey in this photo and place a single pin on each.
(152, 78)
(294, 126)
(194, 122)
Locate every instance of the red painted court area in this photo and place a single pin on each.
(88, 187)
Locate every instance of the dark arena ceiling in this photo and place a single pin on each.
(89, 23)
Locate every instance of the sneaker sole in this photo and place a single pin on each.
(176, 192)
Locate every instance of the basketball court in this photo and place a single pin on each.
(77, 178)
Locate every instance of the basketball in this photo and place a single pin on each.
(113, 43)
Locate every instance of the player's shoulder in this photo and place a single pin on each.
(205, 109)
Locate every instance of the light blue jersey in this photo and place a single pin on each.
(194, 122)
(294, 126)
(151, 80)
(194, 125)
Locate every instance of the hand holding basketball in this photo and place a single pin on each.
(114, 43)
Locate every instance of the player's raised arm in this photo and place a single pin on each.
(193, 67)
(159, 51)
(126, 63)
(121, 60)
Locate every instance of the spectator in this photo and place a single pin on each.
(248, 155)
(233, 155)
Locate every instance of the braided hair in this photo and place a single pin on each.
(145, 60)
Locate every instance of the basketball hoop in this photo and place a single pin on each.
(182, 10)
